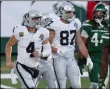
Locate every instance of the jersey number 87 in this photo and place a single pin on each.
(65, 35)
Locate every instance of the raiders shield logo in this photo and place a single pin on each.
(41, 36)
(21, 34)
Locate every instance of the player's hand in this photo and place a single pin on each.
(10, 64)
(36, 54)
(89, 63)
(101, 84)
(60, 52)
(81, 64)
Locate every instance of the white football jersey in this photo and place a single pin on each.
(28, 42)
(65, 34)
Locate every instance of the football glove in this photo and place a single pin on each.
(81, 64)
(89, 63)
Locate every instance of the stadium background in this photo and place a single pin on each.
(11, 15)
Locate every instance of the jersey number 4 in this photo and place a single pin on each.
(65, 35)
(95, 40)
(30, 48)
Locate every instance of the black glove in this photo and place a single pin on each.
(81, 64)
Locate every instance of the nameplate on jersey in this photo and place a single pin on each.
(21, 34)
(41, 36)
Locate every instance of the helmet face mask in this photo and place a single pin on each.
(98, 14)
(100, 11)
(65, 10)
(32, 18)
(37, 20)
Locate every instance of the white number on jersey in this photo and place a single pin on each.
(95, 40)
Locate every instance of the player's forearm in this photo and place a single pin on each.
(80, 55)
(103, 69)
(83, 49)
(104, 62)
(81, 45)
(8, 51)
(54, 49)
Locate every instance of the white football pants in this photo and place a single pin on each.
(67, 68)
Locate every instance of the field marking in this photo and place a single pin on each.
(4, 86)
(8, 76)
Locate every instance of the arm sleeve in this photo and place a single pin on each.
(77, 24)
(46, 50)
(84, 34)
(84, 30)
(46, 36)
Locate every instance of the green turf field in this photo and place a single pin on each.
(7, 82)
(84, 81)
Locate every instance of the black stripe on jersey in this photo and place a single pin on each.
(21, 76)
(14, 28)
(55, 73)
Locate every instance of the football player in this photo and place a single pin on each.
(63, 32)
(92, 31)
(30, 39)
(46, 69)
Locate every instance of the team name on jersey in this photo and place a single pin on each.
(98, 31)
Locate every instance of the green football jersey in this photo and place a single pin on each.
(94, 34)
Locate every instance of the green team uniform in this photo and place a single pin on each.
(94, 33)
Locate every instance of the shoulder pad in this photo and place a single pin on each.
(86, 23)
(19, 28)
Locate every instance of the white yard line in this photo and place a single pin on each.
(8, 76)
(4, 86)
